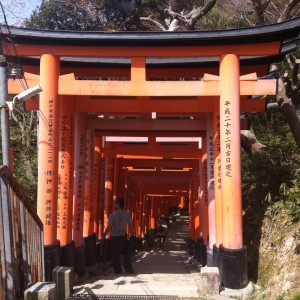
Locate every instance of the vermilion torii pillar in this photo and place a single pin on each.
(140, 213)
(196, 210)
(203, 205)
(79, 190)
(48, 158)
(144, 213)
(97, 185)
(65, 180)
(101, 199)
(108, 173)
(217, 184)
(210, 189)
(116, 191)
(192, 212)
(88, 216)
(182, 202)
(152, 212)
(233, 253)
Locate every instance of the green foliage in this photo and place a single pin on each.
(283, 179)
(280, 297)
(296, 296)
(66, 15)
(288, 204)
(269, 186)
(24, 145)
(221, 18)
(122, 15)
(269, 177)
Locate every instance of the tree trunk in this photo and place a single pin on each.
(251, 145)
(291, 114)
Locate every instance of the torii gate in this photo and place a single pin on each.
(216, 99)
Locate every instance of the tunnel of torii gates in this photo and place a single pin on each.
(153, 117)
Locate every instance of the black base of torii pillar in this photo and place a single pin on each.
(51, 259)
(233, 267)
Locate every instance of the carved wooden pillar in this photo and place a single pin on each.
(233, 254)
(65, 180)
(48, 159)
(210, 189)
(218, 184)
(79, 190)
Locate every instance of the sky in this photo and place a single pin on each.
(17, 11)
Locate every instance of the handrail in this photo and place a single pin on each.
(21, 239)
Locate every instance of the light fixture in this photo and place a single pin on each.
(24, 95)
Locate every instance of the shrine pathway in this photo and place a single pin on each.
(160, 272)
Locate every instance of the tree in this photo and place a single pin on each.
(67, 15)
(90, 15)
(251, 13)
(24, 142)
(179, 15)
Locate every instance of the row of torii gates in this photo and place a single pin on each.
(116, 119)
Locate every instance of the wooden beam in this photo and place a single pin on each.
(161, 88)
(131, 127)
(161, 182)
(158, 72)
(158, 174)
(146, 125)
(187, 105)
(161, 163)
(149, 51)
(153, 134)
(174, 183)
(166, 193)
(159, 151)
(125, 106)
(16, 86)
(212, 77)
(178, 106)
(152, 153)
(139, 89)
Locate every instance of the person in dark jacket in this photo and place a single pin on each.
(117, 227)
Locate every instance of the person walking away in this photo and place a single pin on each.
(117, 227)
(161, 233)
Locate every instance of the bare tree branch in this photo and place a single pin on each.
(266, 4)
(175, 15)
(288, 10)
(295, 74)
(174, 25)
(272, 105)
(149, 19)
(196, 15)
(190, 19)
(293, 83)
(289, 60)
(259, 11)
(251, 145)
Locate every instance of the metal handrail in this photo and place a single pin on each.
(21, 239)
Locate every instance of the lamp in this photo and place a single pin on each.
(24, 95)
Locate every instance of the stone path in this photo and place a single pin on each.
(158, 272)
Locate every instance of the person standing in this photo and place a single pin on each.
(117, 227)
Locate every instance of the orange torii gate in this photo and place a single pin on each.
(224, 66)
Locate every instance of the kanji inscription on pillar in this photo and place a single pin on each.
(228, 138)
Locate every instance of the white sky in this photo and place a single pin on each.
(17, 11)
